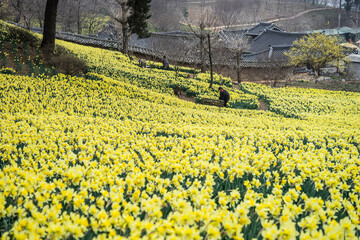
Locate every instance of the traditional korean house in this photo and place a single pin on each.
(275, 39)
(262, 27)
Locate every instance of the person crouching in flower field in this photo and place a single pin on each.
(224, 95)
(165, 63)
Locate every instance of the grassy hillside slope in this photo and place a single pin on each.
(325, 19)
(115, 155)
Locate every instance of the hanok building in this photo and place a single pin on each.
(258, 29)
(267, 42)
(262, 38)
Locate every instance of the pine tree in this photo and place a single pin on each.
(348, 6)
(139, 16)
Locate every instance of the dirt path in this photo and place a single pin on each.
(263, 105)
(272, 20)
(299, 14)
(186, 98)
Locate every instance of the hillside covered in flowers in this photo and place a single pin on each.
(112, 154)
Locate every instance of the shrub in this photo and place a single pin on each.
(68, 64)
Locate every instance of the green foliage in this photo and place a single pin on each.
(348, 6)
(185, 13)
(139, 16)
(93, 23)
(315, 51)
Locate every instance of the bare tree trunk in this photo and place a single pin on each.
(202, 38)
(48, 41)
(125, 40)
(278, 7)
(40, 22)
(123, 20)
(78, 18)
(210, 60)
(18, 10)
(90, 28)
(202, 53)
(17, 17)
(27, 22)
(238, 55)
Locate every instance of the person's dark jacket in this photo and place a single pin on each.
(165, 63)
(224, 95)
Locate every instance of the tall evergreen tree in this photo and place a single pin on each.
(348, 4)
(138, 17)
(357, 4)
(132, 15)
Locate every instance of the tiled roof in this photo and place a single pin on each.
(233, 32)
(263, 56)
(261, 27)
(176, 32)
(273, 38)
(157, 39)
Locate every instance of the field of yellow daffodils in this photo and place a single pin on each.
(117, 66)
(114, 155)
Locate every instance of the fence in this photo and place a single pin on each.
(248, 61)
